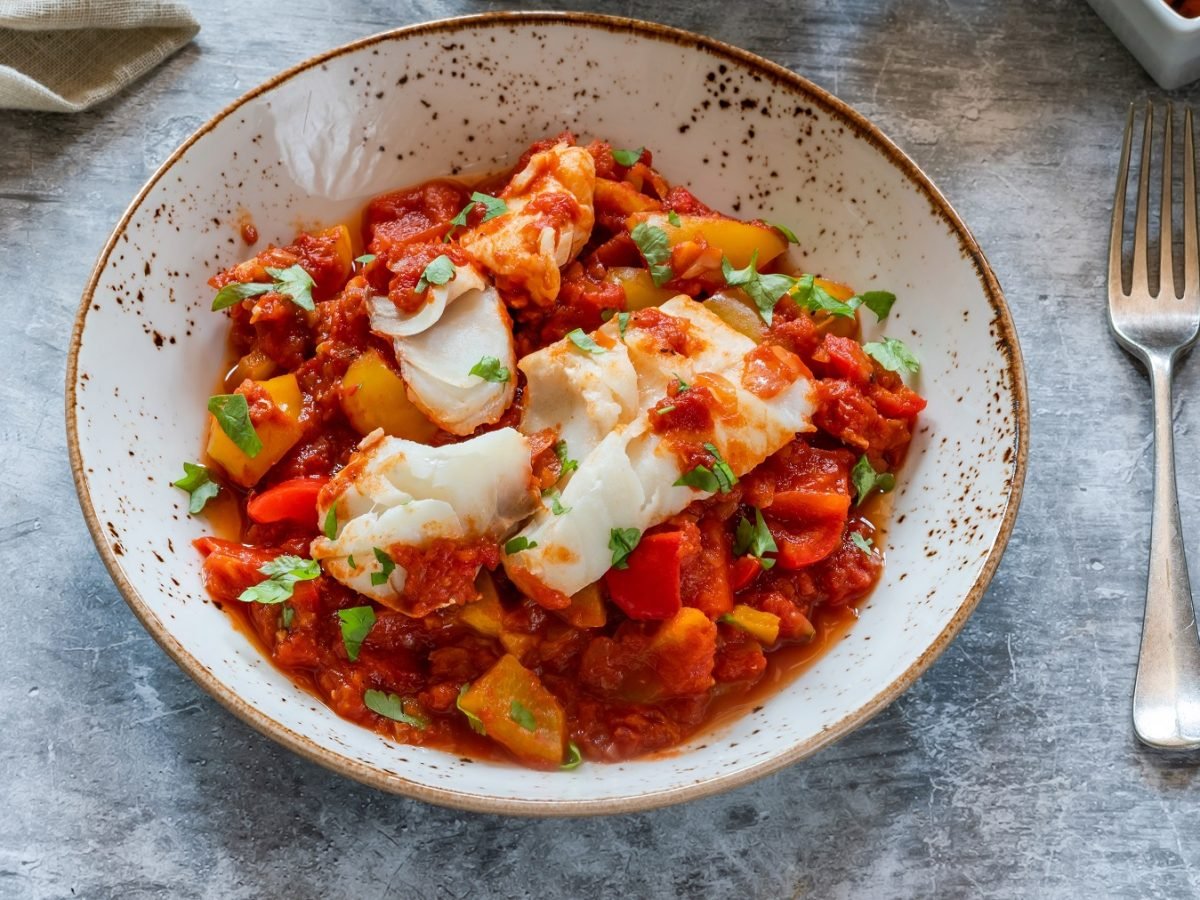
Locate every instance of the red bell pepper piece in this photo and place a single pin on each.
(743, 572)
(806, 505)
(649, 588)
(294, 499)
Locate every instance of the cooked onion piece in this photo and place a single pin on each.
(549, 219)
(463, 322)
(399, 494)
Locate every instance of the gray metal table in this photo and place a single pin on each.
(1009, 769)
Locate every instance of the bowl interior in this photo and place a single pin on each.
(467, 96)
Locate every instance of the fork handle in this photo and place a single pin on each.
(1166, 695)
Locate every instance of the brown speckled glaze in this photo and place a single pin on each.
(463, 96)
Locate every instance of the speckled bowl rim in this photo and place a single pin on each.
(305, 747)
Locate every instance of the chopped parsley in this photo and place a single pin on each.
(356, 623)
(628, 158)
(878, 302)
(517, 544)
(522, 715)
(198, 484)
(350, 561)
(663, 410)
(673, 218)
(286, 615)
(331, 523)
(365, 259)
(893, 355)
(555, 498)
(388, 564)
(439, 271)
(815, 298)
(236, 292)
(391, 706)
(866, 480)
(655, 248)
(862, 543)
(721, 470)
(295, 283)
(764, 290)
(788, 234)
(473, 720)
(574, 757)
(232, 413)
(489, 369)
(282, 574)
(584, 342)
(492, 206)
(682, 387)
(566, 464)
(755, 538)
(622, 323)
(622, 542)
(717, 478)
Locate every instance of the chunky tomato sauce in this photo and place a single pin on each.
(735, 593)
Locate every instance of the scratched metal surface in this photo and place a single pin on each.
(1009, 769)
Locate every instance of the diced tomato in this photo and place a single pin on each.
(745, 570)
(843, 357)
(801, 505)
(807, 544)
(230, 568)
(294, 500)
(649, 588)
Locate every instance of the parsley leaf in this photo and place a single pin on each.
(862, 543)
(701, 478)
(473, 720)
(673, 218)
(365, 259)
(236, 292)
(196, 482)
(331, 523)
(866, 480)
(294, 283)
(391, 706)
(627, 158)
(439, 271)
(584, 342)
(493, 206)
(721, 470)
(755, 538)
(683, 386)
(893, 355)
(663, 410)
(232, 413)
(356, 623)
(555, 498)
(517, 544)
(489, 369)
(815, 298)
(522, 715)
(574, 757)
(622, 323)
(389, 566)
(878, 302)
(286, 615)
(350, 561)
(764, 290)
(282, 574)
(622, 542)
(788, 234)
(566, 464)
(655, 248)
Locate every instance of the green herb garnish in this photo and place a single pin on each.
(866, 480)
(673, 218)
(764, 290)
(815, 298)
(893, 355)
(574, 757)
(627, 158)
(365, 259)
(236, 292)
(555, 498)
(282, 574)
(391, 706)
(862, 543)
(293, 282)
(788, 234)
(721, 470)
(655, 248)
(493, 206)
(389, 566)
(489, 369)
(566, 464)
(584, 342)
(622, 323)
(232, 413)
(356, 623)
(622, 542)
(522, 715)
(701, 478)
(755, 538)
(198, 484)
(439, 271)
(331, 523)
(473, 720)
(517, 544)
(878, 302)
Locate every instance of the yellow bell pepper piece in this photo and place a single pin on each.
(279, 430)
(737, 240)
(586, 609)
(518, 712)
(758, 624)
(374, 396)
(738, 315)
(485, 614)
(640, 289)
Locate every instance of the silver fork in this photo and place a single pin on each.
(1158, 328)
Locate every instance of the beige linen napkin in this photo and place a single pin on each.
(66, 55)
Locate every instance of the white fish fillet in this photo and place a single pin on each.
(400, 493)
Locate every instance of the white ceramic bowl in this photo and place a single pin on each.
(1164, 42)
(310, 146)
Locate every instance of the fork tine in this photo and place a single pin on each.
(1191, 259)
(1166, 215)
(1140, 277)
(1118, 211)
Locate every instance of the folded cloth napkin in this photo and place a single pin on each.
(66, 55)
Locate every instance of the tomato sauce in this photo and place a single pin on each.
(789, 544)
